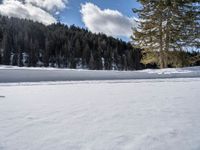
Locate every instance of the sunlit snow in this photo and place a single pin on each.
(140, 114)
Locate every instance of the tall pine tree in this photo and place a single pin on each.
(166, 25)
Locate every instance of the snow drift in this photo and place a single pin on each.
(17, 74)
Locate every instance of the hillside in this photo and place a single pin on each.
(31, 44)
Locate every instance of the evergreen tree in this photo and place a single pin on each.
(1, 37)
(91, 62)
(1, 34)
(166, 25)
(6, 47)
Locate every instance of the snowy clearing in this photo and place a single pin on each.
(159, 114)
(17, 74)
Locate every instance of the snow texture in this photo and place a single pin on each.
(158, 114)
(17, 74)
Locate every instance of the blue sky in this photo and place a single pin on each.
(71, 15)
(111, 17)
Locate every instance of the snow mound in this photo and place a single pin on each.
(17, 74)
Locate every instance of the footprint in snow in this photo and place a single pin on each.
(2, 96)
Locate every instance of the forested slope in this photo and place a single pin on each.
(28, 43)
(32, 44)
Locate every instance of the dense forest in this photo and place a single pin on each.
(28, 43)
(32, 44)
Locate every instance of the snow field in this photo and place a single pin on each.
(159, 114)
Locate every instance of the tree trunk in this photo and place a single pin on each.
(161, 59)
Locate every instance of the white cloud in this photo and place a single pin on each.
(36, 10)
(50, 5)
(110, 22)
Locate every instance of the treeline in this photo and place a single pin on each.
(31, 44)
(28, 43)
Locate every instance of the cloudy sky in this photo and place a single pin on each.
(112, 17)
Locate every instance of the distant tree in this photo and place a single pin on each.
(1, 34)
(91, 62)
(46, 52)
(6, 47)
(86, 55)
(1, 37)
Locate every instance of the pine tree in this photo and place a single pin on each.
(1, 34)
(1, 37)
(166, 25)
(6, 46)
(46, 53)
(91, 62)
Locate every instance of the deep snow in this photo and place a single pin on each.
(159, 114)
(17, 74)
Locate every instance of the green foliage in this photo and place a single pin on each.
(150, 58)
(166, 25)
(175, 59)
(178, 59)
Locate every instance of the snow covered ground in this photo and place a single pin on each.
(158, 114)
(16, 74)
